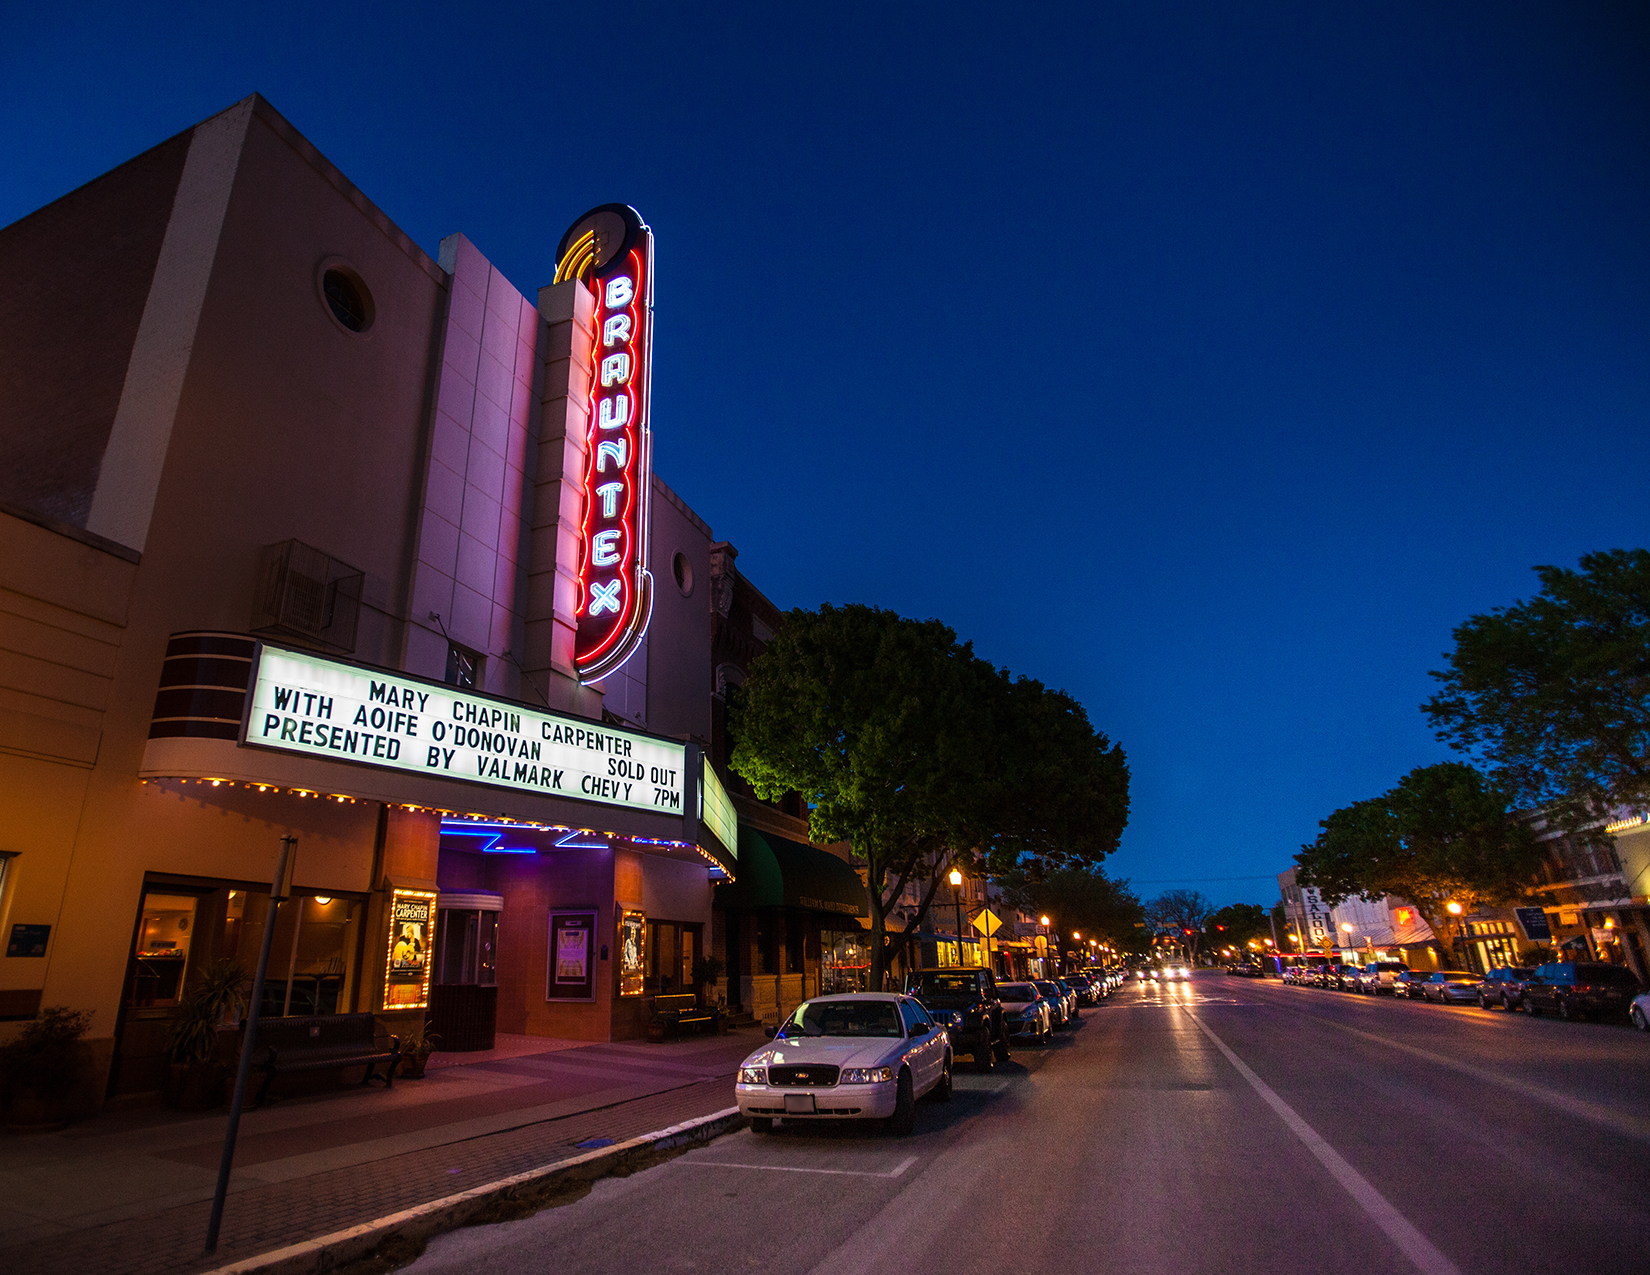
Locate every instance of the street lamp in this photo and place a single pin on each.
(1346, 933)
(1455, 910)
(956, 897)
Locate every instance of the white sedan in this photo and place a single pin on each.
(863, 1055)
(1638, 1013)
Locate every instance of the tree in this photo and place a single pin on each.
(1553, 694)
(1443, 834)
(921, 755)
(1078, 899)
(1184, 913)
(1236, 924)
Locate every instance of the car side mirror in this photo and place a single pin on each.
(770, 1032)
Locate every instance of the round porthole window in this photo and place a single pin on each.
(683, 570)
(347, 298)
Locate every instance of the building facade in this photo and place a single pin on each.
(295, 542)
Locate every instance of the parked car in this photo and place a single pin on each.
(1451, 987)
(1379, 976)
(1639, 1012)
(1580, 989)
(1026, 1012)
(1408, 984)
(1073, 999)
(1056, 1001)
(860, 1055)
(964, 1001)
(1504, 986)
(1338, 976)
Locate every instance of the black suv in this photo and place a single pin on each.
(964, 1001)
(1580, 989)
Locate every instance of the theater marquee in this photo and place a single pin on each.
(610, 251)
(317, 707)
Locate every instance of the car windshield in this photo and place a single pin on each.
(1047, 989)
(945, 985)
(1016, 992)
(843, 1018)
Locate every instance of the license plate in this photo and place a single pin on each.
(799, 1104)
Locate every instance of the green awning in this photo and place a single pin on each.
(775, 872)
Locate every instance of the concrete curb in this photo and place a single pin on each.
(328, 1252)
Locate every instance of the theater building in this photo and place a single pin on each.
(303, 532)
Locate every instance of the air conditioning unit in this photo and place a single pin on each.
(306, 594)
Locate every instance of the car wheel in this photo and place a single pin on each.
(1566, 1011)
(942, 1088)
(904, 1118)
(1483, 1001)
(1506, 1002)
(761, 1124)
(1637, 1018)
(982, 1051)
(1530, 1008)
(1002, 1050)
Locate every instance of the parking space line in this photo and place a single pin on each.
(1397, 1227)
(897, 1171)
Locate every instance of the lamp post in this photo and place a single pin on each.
(1047, 933)
(1455, 910)
(1346, 934)
(956, 898)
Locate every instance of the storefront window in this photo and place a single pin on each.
(845, 962)
(671, 947)
(162, 957)
(313, 955)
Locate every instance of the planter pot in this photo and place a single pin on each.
(32, 1112)
(196, 1086)
(412, 1066)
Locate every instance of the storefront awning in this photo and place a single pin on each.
(775, 872)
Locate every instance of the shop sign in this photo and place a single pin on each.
(716, 810)
(572, 973)
(632, 953)
(407, 959)
(28, 940)
(1533, 921)
(610, 250)
(317, 707)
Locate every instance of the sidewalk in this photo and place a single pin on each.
(131, 1190)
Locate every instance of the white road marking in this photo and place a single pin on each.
(1397, 1227)
(897, 1170)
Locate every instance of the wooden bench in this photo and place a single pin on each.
(319, 1042)
(679, 1010)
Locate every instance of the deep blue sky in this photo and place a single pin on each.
(1210, 361)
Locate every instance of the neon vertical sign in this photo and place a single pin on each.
(610, 251)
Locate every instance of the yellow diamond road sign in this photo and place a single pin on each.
(986, 923)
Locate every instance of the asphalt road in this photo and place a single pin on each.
(1227, 1125)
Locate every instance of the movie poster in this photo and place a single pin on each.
(412, 929)
(572, 974)
(632, 954)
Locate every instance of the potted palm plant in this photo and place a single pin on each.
(43, 1067)
(199, 1073)
(417, 1044)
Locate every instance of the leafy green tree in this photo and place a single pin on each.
(1553, 694)
(1082, 899)
(921, 755)
(1442, 833)
(1235, 925)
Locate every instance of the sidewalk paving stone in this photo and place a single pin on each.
(130, 1191)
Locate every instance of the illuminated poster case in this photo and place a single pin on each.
(407, 953)
(632, 953)
(572, 972)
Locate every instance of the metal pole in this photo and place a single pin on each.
(277, 891)
(956, 899)
(292, 964)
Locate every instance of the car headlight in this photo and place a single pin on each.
(954, 1019)
(753, 1075)
(866, 1075)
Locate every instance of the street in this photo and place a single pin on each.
(1224, 1125)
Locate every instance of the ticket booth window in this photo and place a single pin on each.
(466, 944)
